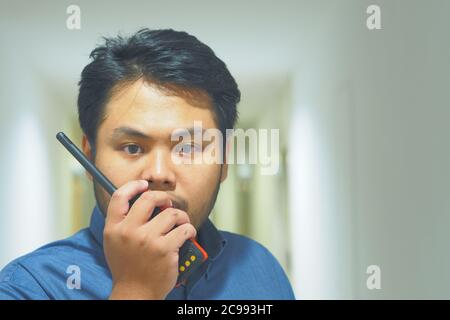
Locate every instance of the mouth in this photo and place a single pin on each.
(180, 205)
(178, 202)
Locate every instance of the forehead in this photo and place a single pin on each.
(154, 110)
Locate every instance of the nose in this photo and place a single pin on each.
(159, 171)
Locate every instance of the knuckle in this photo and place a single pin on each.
(184, 214)
(157, 248)
(148, 196)
(124, 235)
(108, 233)
(160, 194)
(118, 195)
(142, 240)
(191, 230)
(172, 212)
(179, 214)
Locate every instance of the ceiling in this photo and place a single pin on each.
(259, 41)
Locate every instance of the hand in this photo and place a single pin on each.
(143, 255)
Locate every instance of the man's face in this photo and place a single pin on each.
(134, 142)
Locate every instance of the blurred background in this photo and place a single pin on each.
(364, 121)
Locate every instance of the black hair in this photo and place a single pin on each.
(166, 57)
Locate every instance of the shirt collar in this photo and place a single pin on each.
(208, 236)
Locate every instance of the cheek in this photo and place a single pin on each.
(113, 168)
(200, 181)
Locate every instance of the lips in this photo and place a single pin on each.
(177, 203)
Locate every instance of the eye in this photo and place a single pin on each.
(132, 149)
(188, 148)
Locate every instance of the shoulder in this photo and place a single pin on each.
(16, 282)
(78, 246)
(28, 276)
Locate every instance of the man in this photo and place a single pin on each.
(134, 95)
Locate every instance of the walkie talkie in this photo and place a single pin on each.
(191, 254)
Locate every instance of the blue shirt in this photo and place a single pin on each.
(237, 268)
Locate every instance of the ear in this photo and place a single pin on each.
(87, 149)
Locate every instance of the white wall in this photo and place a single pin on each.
(30, 205)
(370, 154)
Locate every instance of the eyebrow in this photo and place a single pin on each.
(128, 131)
(132, 132)
(191, 131)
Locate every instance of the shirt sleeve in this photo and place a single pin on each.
(16, 283)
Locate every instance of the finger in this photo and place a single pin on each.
(118, 204)
(178, 236)
(142, 209)
(164, 222)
